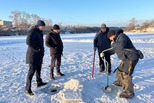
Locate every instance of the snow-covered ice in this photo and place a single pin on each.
(76, 65)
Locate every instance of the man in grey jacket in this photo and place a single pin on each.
(127, 53)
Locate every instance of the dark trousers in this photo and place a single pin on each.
(32, 69)
(102, 64)
(55, 62)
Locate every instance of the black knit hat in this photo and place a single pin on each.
(40, 23)
(103, 26)
(56, 27)
(111, 33)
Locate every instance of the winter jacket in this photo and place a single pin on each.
(101, 41)
(54, 42)
(124, 48)
(35, 50)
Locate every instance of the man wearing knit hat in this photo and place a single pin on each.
(54, 42)
(34, 55)
(102, 42)
(127, 53)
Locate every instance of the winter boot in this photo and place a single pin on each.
(30, 93)
(117, 83)
(58, 72)
(41, 84)
(52, 74)
(126, 95)
(101, 68)
(52, 77)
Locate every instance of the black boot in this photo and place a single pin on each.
(52, 74)
(29, 92)
(52, 77)
(41, 84)
(58, 72)
(101, 68)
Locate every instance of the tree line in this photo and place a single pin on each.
(134, 26)
(23, 21)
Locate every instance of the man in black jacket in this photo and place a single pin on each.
(54, 42)
(34, 55)
(102, 42)
(127, 53)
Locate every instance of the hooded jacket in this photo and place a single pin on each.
(35, 51)
(124, 47)
(101, 41)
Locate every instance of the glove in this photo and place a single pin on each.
(102, 54)
(112, 43)
(95, 48)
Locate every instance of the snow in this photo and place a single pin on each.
(77, 66)
(72, 84)
(71, 93)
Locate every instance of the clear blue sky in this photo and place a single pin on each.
(83, 12)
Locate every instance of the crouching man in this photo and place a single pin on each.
(127, 53)
(54, 42)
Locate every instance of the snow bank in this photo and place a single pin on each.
(72, 92)
(72, 84)
(78, 40)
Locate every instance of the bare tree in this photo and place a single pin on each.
(152, 23)
(48, 23)
(34, 19)
(24, 17)
(15, 17)
(132, 24)
(144, 25)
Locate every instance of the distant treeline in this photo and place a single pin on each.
(74, 29)
(79, 29)
(23, 21)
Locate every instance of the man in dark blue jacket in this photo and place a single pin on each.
(34, 55)
(127, 53)
(102, 42)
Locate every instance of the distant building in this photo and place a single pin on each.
(5, 23)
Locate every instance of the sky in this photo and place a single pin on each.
(83, 12)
